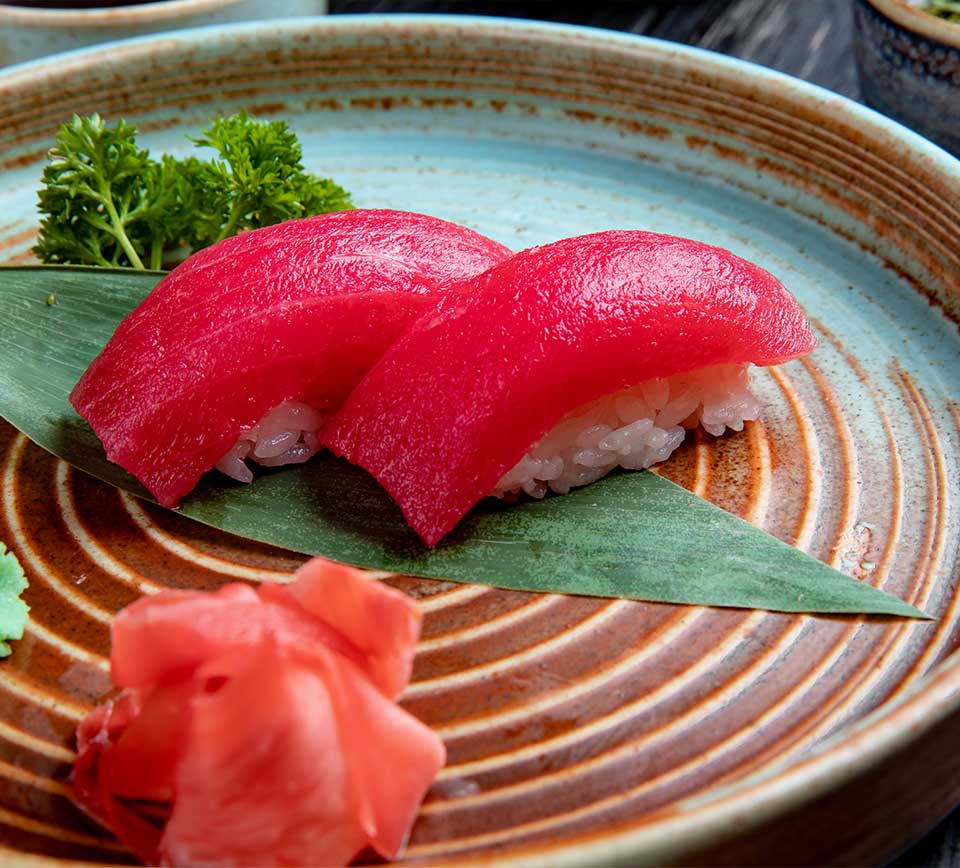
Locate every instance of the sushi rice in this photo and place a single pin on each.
(635, 428)
(286, 435)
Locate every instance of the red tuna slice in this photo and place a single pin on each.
(462, 395)
(295, 311)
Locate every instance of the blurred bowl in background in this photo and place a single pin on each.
(909, 66)
(31, 31)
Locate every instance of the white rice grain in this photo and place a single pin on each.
(633, 429)
(286, 435)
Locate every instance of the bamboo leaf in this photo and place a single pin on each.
(632, 535)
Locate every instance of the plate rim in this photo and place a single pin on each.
(224, 33)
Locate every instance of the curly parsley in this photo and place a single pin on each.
(107, 202)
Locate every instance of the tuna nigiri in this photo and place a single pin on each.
(244, 347)
(259, 727)
(561, 363)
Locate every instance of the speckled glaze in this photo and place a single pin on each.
(580, 731)
(909, 67)
(27, 32)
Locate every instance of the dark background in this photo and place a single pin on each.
(811, 39)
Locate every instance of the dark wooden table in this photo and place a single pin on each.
(811, 39)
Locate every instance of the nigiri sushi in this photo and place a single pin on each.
(245, 347)
(561, 363)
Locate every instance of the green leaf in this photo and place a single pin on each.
(632, 535)
(13, 611)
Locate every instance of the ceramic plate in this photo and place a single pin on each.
(579, 730)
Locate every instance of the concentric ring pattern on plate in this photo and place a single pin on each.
(566, 719)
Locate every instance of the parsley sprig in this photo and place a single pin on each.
(107, 202)
(13, 611)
